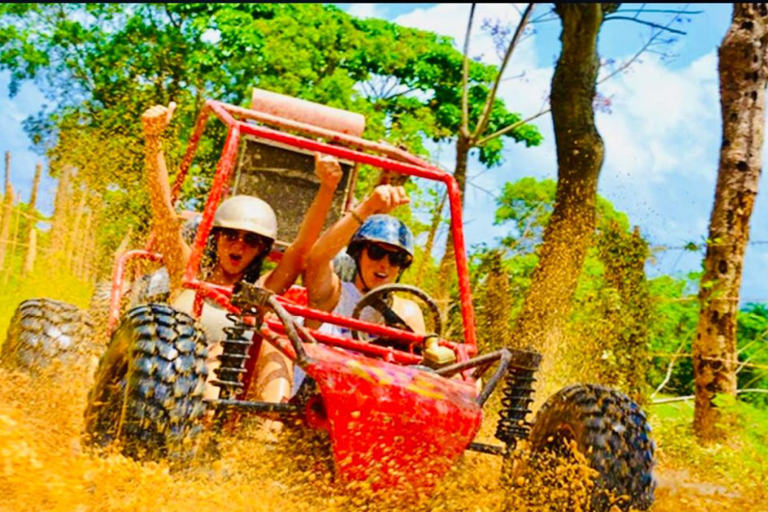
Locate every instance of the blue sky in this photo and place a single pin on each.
(662, 136)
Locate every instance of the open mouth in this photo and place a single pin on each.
(235, 258)
(380, 275)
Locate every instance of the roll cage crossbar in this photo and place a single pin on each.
(242, 122)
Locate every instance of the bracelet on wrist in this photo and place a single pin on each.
(356, 217)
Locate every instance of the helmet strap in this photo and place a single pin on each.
(366, 288)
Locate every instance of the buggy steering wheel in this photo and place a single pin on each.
(379, 299)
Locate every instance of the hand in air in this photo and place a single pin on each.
(327, 168)
(386, 198)
(156, 119)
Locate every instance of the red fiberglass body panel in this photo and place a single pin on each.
(395, 427)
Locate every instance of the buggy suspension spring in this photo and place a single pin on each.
(236, 346)
(516, 398)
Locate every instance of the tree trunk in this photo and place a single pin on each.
(496, 307)
(743, 78)
(437, 216)
(447, 269)
(579, 158)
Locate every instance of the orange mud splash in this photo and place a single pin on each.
(43, 467)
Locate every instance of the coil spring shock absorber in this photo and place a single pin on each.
(516, 397)
(236, 346)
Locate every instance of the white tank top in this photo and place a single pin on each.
(213, 319)
(348, 299)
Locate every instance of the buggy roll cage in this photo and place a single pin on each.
(240, 122)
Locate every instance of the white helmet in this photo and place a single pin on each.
(247, 213)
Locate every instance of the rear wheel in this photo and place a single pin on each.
(612, 434)
(148, 393)
(45, 330)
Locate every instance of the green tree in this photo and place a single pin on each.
(752, 371)
(102, 64)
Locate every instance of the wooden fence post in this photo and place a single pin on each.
(86, 241)
(14, 245)
(76, 234)
(32, 222)
(29, 260)
(6, 221)
(5, 209)
(61, 211)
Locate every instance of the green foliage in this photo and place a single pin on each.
(752, 337)
(101, 65)
(528, 203)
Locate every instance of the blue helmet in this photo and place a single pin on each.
(385, 229)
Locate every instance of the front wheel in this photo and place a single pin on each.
(611, 432)
(148, 393)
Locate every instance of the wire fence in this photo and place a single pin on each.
(70, 241)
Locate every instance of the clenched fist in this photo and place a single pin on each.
(386, 198)
(327, 168)
(156, 119)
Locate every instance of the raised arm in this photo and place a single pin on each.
(165, 223)
(327, 168)
(323, 285)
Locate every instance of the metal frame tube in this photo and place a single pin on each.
(395, 160)
(118, 277)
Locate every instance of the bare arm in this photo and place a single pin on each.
(166, 227)
(323, 285)
(411, 314)
(292, 263)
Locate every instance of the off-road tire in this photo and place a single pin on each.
(148, 391)
(611, 431)
(46, 330)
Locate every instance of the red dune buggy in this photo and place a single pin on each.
(400, 411)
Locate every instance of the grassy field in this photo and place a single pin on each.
(731, 475)
(50, 284)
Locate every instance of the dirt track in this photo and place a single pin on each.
(42, 467)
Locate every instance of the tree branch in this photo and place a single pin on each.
(511, 127)
(170, 17)
(541, 17)
(669, 369)
(752, 390)
(485, 116)
(650, 41)
(649, 23)
(746, 361)
(465, 75)
(659, 11)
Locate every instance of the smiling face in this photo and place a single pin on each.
(236, 249)
(377, 267)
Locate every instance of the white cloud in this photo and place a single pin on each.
(451, 20)
(366, 11)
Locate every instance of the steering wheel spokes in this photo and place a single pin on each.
(381, 300)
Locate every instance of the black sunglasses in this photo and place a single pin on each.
(397, 257)
(252, 240)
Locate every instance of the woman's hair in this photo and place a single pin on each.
(251, 273)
